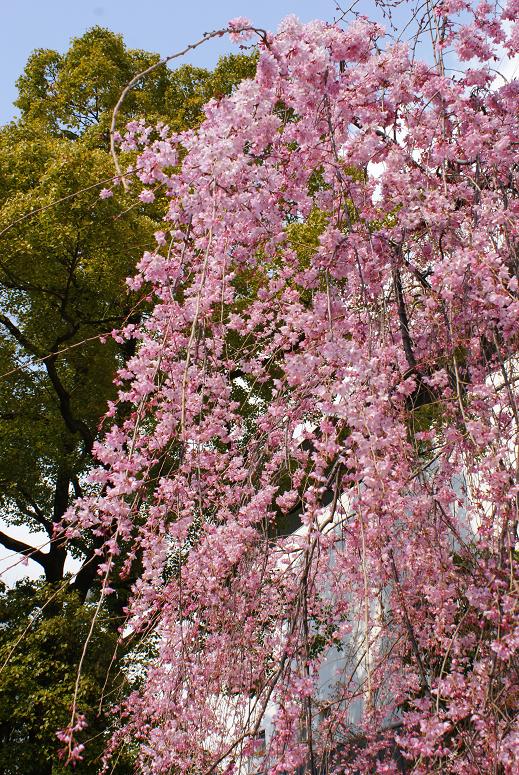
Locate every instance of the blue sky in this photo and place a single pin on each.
(154, 25)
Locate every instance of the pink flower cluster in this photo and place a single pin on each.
(359, 380)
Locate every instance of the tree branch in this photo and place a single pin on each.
(87, 574)
(404, 321)
(14, 545)
(41, 520)
(73, 424)
(19, 336)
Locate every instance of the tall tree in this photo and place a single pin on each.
(385, 350)
(65, 257)
(64, 260)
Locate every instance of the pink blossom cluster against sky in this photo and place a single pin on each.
(159, 25)
(390, 339)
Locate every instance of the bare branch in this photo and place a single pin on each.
(14, 545)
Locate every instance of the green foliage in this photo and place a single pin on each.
(61, 283)
(63, 270)
(65, 254)
(304, 237)
(42, 634)
(74, 93)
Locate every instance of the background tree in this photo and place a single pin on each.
(41, 642)
(65, 256)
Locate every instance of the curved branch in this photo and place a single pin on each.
(129, 86)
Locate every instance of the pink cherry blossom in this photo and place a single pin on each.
(315, 475)
(239, 27)
(147, 196)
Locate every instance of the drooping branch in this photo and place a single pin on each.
(250, 615)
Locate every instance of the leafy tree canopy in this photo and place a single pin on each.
(63, 270)
(42, 635)
(65, 255)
